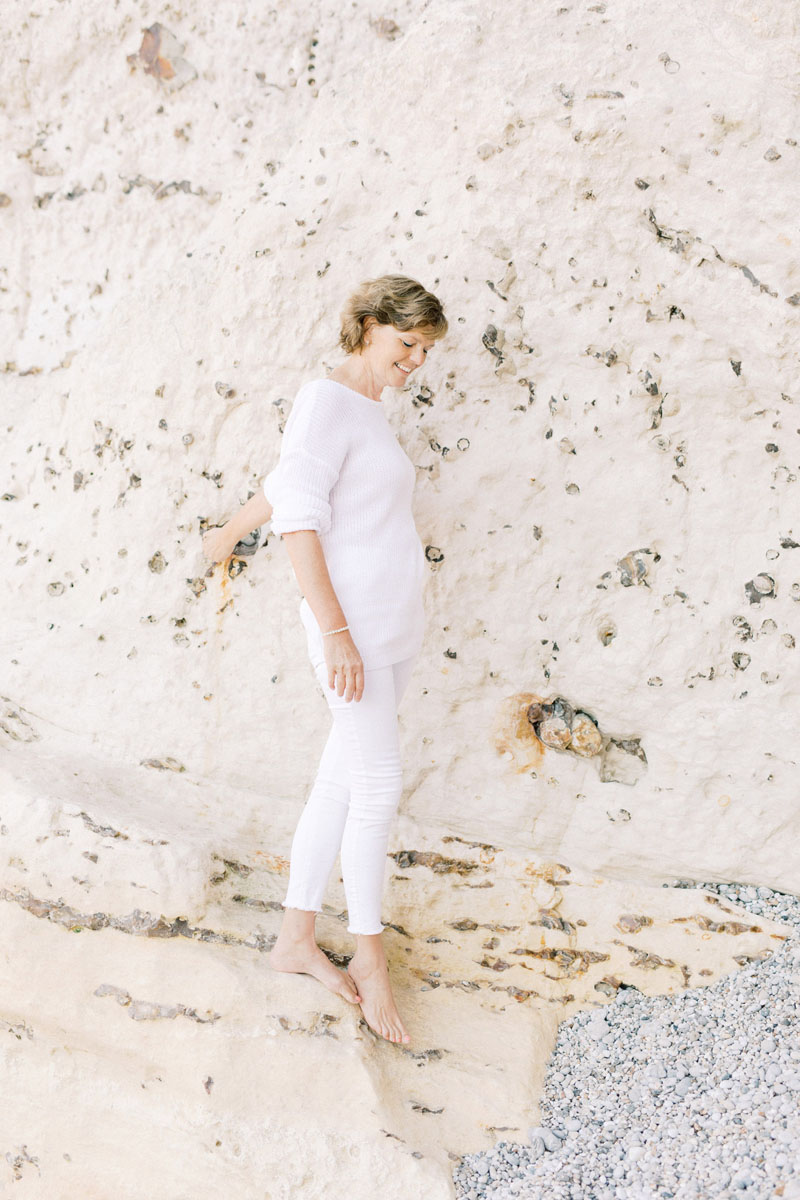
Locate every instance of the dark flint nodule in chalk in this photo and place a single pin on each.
(630, 746)
(759, 588)
(489, 340)
(560, 708)
(634, 566)
(248, 545)
(744, 629)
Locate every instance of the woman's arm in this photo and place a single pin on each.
(314, 446)
(311, 571)
(218, 543)
(255, 512)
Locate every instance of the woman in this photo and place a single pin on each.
(340, 497)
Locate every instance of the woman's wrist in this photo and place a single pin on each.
(237, 528)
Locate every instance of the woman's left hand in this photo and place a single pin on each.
(345, 668)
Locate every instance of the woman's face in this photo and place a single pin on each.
(394, 353)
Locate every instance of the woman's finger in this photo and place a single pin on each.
(359, 681)
(355, 682)
(355, 693)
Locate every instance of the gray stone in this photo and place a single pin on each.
(549, 1138)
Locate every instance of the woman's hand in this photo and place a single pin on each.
(218, 543)
(345, 668)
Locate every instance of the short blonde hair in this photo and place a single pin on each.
(392, 300)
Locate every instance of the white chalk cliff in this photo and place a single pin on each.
(607, 450)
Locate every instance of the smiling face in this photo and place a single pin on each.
(393, 354)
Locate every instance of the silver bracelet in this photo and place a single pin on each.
(330, 631)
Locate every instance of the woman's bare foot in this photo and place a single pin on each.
(370, 973)
(301, 955)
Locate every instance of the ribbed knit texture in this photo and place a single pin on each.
(343, 473)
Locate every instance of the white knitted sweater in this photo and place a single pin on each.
(343, 473)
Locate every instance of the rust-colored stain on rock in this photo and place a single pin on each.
(161, 55)
(273, 862)
(148, 57)
(513, 734)
(549, 872)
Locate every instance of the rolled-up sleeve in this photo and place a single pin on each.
(270, 486)
(312, 452)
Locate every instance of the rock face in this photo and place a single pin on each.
(140, 984)
(607, 494)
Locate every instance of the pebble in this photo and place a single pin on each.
(687, 1096)
(597, 1028)
(550, 1140)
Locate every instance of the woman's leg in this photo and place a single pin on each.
(363, 743)
(314, 849)
(322, 822)
(319, 830)
(369, 737)
(402, 674)
(372, 741)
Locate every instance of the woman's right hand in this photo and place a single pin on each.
(217, 543)
(345, 668)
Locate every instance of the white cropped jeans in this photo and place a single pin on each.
(354, 797)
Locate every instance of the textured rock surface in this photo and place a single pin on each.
(135, 977)
(607, 464)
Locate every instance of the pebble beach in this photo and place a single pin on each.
(687, 1097)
